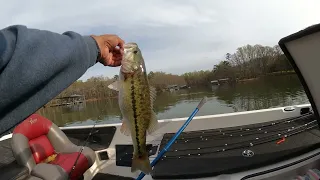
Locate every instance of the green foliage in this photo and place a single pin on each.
(197, 77)
(161, 80)
(93, 88)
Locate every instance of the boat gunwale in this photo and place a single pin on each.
(8, 136)
(196, 117)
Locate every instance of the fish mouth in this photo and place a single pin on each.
(127, 69)
(130, 45)
(126, 66)
(130, 50)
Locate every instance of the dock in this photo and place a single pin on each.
(67, 100)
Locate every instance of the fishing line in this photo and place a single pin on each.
(82, 147)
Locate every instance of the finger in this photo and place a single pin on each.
(110, 59)
(117, 52)
(116, 63)
(117, 58)
(105, 59)
(121, 43)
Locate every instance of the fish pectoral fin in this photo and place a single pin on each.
(154, 124)
(125, 128)
(114, 86)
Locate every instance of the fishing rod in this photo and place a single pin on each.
(169, 144)
(82, 147)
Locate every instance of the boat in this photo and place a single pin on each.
(276, 143)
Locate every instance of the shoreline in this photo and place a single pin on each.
(278, 73)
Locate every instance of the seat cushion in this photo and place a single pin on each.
(49, 172)
(33, 126)
(41, 148)
(67, 160)
(33, 178)
(61, 166)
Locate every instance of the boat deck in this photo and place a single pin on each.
(219, 151)
(104, 176)
(214, 152)
(9, 167)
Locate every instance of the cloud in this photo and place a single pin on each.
(175, 36)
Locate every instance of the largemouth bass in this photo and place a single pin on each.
(136, 98)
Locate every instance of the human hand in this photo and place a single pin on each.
(111, 49)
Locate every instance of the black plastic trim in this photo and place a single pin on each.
(124, 153)
(305, 32)
(106, 176)
(304, 111)
(103, 155)
(100, 139)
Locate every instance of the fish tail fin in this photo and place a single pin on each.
(141, 163)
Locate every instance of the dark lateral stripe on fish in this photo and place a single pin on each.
(135, 115)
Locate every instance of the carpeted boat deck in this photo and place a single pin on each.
(229, 150)
(104, 176)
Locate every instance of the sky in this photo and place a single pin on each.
(174, 36)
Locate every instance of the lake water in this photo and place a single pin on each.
(263, 93)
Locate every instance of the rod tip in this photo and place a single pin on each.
(202, 102)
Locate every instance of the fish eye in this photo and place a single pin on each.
(135, 51)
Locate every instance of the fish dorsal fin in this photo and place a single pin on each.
(125, 128)
(114, 86)
(154, 124)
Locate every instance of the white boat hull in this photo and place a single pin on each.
(200, 123)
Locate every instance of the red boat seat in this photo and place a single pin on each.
(40, 145)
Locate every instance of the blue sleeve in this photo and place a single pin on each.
(35, 66)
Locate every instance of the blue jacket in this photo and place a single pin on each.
(35, 66)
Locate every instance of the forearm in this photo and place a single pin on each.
(35, 66)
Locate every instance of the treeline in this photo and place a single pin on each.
(93, 88)
(161, 80)
(97, 87)
(247, 62)
(253, 61)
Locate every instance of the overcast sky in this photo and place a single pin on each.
(174, 36)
